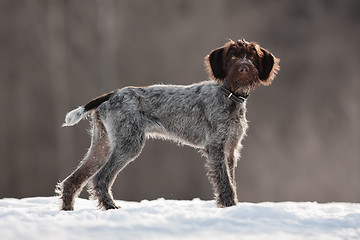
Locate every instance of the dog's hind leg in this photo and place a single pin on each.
(95, 158)
(128, 143)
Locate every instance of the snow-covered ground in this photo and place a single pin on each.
(39, 218)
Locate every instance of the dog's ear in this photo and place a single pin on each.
(269, 66)
(214, 64)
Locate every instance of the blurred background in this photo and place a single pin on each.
(303, 143)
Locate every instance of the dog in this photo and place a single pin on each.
(209, 116)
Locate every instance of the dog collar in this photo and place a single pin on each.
(235, 98)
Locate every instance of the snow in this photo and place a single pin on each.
(40, 218)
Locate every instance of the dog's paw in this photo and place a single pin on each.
(107, 205)
(225, 202)
(67, 208)
(112, 206)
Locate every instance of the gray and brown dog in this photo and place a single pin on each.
(209, 116)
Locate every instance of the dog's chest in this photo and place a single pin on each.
(238, 123)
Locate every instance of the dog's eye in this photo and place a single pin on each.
(233, 57)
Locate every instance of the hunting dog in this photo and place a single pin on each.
(209, 116)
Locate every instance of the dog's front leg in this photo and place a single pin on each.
(219, 176)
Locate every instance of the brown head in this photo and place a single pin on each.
(242, 65)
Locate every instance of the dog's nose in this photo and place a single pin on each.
(243, 69)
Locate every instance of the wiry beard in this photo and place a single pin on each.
(242, 85)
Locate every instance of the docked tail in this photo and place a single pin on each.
(74, 116)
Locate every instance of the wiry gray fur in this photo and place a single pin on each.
(198, 115)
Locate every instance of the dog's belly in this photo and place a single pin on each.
(182, 137)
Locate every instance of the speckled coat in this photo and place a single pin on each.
(199, 115)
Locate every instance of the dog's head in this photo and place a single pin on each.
(242, 65)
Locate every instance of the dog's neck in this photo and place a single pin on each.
(235, 97)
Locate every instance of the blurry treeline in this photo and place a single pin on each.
(304, 136)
